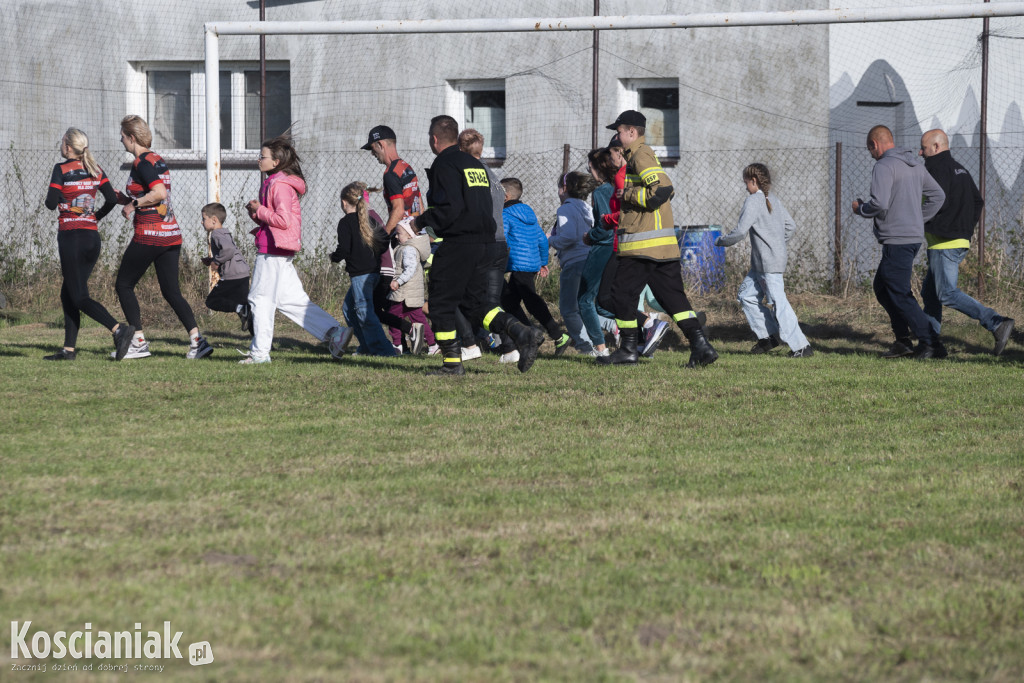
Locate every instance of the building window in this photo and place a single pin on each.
(481, 103)
(658, 100)
(279, 105)
(174, 104)
(168, 111)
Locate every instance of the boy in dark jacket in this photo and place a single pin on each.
(231, 293)
(949, 239)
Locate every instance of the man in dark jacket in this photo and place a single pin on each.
(460, 213)
(949, 239)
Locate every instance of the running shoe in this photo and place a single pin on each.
(254, 360)
(123, 340)
(471, 352)
(337, 339)
(136, 350)
(200, 348)
(510, 357)
(415, 339)
(652, 337)
(562, 344)
(63, 354)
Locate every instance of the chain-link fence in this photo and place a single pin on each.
(708, 186)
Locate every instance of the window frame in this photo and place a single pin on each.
(455, 101)
(138, 94)
(629, 98)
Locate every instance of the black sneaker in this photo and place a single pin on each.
(63, 354)
(765, 345)
(562, 344)
(123, 340)
(900, 349)
(1002, 335)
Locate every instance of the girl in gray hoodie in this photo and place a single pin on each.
(770, 226)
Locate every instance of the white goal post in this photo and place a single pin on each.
(603, 23)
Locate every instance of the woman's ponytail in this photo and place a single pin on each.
(78, 143)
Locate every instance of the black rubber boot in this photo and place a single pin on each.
(451, 352)
(527, 340)
(701, 351)
(626, 354)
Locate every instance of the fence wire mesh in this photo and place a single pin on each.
(708, 185)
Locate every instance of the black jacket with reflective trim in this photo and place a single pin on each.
(459, 207)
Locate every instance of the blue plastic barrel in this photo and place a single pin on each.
(703, 263)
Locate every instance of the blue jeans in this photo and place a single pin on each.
(940, 289)
(362, 318)
(590, 284)
(782, 322)
(892, 289)
(568, 305)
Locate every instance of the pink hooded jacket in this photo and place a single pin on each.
(279, 232)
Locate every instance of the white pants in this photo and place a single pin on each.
(276, 287)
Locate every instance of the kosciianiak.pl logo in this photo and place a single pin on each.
(89, 644)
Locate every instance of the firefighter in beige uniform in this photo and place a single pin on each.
(648, 252)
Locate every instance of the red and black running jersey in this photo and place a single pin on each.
(400, 183)
(77, 203)
(154, 225)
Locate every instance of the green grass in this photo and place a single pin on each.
(836, 518)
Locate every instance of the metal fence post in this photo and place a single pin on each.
(837, 278)
(565, 158)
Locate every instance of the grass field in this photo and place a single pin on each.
(840, 518)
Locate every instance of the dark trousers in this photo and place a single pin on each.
(519, 291)
(382, 306)
(666, 283)
(459, 282)
(79, 250)
(892, 289)
(227, 295)
(134, 264)
(495, 258)
(604, 291)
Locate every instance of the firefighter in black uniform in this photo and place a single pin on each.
(459, 211)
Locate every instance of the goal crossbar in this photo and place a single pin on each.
(513, 25)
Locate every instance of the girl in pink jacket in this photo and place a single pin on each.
(275, 283)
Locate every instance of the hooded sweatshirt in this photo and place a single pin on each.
(575, 219)
(898, 182)
(279, 216)
(769, 232)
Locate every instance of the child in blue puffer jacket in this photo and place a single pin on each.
(527, 255)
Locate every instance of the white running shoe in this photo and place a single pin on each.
(136, 350)
(398, 349)
(254, 360)
(200, 349)
(471, 352)
(433, 349)
(415, 339)
(510, 357)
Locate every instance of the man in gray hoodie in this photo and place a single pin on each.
(898, 183)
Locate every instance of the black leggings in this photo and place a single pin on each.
(79, 251)
(521, 288)
(134, 264)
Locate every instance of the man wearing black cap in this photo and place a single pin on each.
(402, 193)
(460, 213)
(648, 251)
